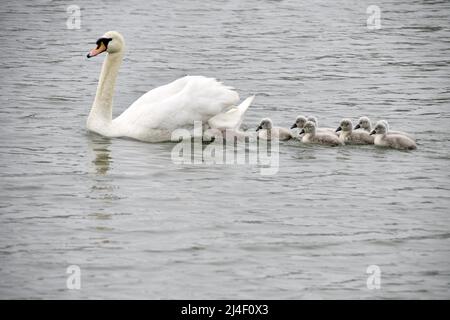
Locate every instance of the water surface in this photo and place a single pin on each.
(140, 226)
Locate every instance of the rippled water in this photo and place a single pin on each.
(140, 226)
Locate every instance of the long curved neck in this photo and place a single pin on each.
(101, 110)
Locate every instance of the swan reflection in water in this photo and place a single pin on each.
(99, 149)
(103, 191)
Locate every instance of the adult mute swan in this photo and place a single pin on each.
(160, 111)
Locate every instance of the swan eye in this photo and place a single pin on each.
(105, 42)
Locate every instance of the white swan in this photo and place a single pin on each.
(324, 138)
(350, 136)
(396, 141)
(267, 131)
(157, 113)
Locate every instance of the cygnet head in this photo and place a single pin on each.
(265, 123)
(380, 128)
(386, 124)
(364, 123)
(111, 42)
(299, 122)
(314, 119)
(345, 125)
(309, 127)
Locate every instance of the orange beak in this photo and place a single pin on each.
(96, 51)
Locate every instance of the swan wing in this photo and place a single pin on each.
(161, 93)
(178, 105)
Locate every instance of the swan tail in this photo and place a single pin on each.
(245, 104)
(232, 118)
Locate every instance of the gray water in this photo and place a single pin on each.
(140, 226)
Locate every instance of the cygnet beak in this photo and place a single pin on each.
(294, 126)
(338, 129)
(357, 126)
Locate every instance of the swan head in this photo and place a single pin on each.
(314, 119)
(111, 42)
(265, 123)
(364, 123)
(309, 127)
(345, 125)
(380, 128)
(386, 124)
(299, 122)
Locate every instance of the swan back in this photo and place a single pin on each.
(177, 105)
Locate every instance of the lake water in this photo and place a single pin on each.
(140, 226)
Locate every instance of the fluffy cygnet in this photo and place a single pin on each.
(267, 131)
(389, 131)
(324, 138)
(364, 124)
(396, 141)
(320, 129)
(348, 136)
(299, 122)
